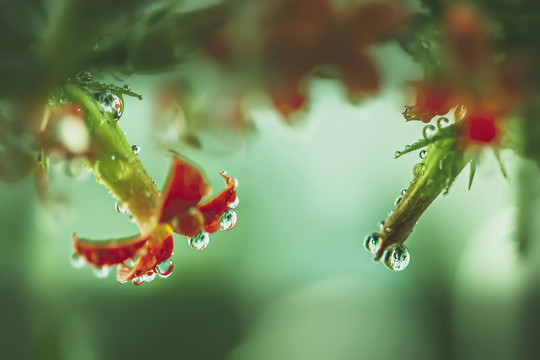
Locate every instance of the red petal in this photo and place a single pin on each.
(185, 188)
(481, 128)
(109, 252)
(214, 208)
(159, 247)
(152, 250)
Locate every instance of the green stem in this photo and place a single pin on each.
(433, 175)
(113, 162)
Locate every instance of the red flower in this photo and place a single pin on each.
(179, 211)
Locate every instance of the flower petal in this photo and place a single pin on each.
(159, 247)
(214, 208)
(108, 252)
(184, 190)
(151, 250)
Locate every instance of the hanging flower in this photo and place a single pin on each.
(180, 210)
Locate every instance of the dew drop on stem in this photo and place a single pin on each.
(397, 258)
(372, 242)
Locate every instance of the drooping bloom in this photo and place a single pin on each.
(180, 210)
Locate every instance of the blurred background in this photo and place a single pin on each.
(292, 280)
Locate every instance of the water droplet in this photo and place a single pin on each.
(428, 131)
(422, 153)
(418, 169)
(397, 258)
(397, 153)
(228, 220)
(149, 276)
(77, 261)
(235, 203)
(387, 230)
(127, 87)
(236, 183)
(372, 242)
(442, 122)
(113, 157)
(136, 150)
(102, 272)
(164, 269)
(398, 199)
(132, 219)
(199, 241)
(110, 103)
(380, 224)
(137, 281)
(403, 192)
(121, 208)
(84, 76)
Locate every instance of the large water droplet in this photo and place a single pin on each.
(165, 268)
(422, 153)
(418, 169)
(428, 131)
(102, 272)
(84, 76)
(397, 258)
(228, 220)
(442, 122)
(199, 241)
(136, 150)
(77, 261)
(110, 103)
(372, 242)
(235, 203)
(121, 207)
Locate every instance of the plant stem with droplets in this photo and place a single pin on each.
(437, 173)
(113, 161)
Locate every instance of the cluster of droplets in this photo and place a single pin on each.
(227, 221)
(396, 258)
(162, 270)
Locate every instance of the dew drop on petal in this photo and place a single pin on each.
(137, 281)
(199, 241)
(428, 131)
(102, 272)
(397, 258)
(422, 153)
(120, 207)
(228, 220)
(136, 150)
(110, 103)
(235, 203)
(77, 261)
(164, 269)
(372, 242)
(236, 183)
